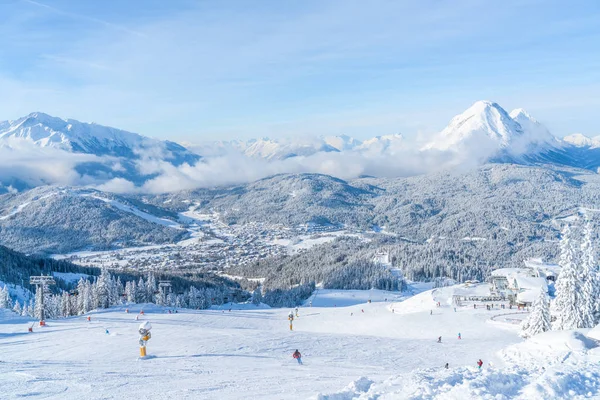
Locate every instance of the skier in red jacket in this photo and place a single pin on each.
(297, 356)
(479, 363)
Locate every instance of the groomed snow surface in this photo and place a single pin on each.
(351, 349)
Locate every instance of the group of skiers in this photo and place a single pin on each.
(479, 364)
(440, 338)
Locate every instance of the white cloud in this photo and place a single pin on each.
(35, 166)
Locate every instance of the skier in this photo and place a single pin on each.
(459, 337)
(297, 356)
(296, 311)
(446, 366)
(431, 312)
(479, 363)
(439, 340)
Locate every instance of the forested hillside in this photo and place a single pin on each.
(57, 220)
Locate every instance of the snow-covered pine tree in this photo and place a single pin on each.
(568, 285)
(4, 298)
(87, 300)
(257, 296)
(588, 295)
(30, 312)
(140, 293)
(17, 308)
(101, 292)
(130, 291)
(65, 305)
(116, 291)
(80, 296)
(151, 288)
(539, 319)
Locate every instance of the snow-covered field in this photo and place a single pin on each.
(352, 349)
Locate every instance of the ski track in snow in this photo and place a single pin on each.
(132, 210)
(21, 207)
(358, 351)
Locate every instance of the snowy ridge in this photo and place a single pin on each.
(580, 140)
(70, 135)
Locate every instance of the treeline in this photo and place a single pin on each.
(107, 291)
(16, 268)
(346, 263)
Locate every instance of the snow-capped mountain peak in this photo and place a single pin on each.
(518, 113)
(483, 121)
(580, 140)
(388, 144)
(71, 135)
(534, 133)
(342, 142)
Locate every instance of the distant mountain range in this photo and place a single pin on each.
(103, 153)
(485, 129)
(484, 132)
(73, 136)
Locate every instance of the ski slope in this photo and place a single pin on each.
(358, 351)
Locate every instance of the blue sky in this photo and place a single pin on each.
(205, 70)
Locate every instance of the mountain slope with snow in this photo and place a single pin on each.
(580, 140)
(60, 220)
(78, 137)
(484, 123)
(283, 149)
(382, 145)
(361, 351)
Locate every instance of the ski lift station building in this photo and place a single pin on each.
(521, 286)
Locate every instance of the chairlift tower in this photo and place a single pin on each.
(165, 287)
(40, 282)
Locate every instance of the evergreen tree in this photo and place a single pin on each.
(80, 296)
(589, 277)
(568, 286)
(87, 297)
(151, 288)
(539, 320)
(257, 296)
(30, 309)
(5, 298)
(140, 293)
(130, 291)
(101, 291)
(17, 308)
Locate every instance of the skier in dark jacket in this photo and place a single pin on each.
(297, 356)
